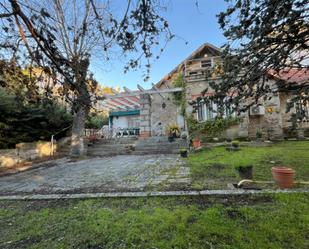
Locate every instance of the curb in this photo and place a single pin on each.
(148, 194)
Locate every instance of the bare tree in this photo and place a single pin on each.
(62, 36)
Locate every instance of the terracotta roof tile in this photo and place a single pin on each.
(291, 75)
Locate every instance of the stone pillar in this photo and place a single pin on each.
(145, 115)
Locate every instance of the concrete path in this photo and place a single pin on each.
(110, 174)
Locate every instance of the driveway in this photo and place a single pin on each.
(109, 174)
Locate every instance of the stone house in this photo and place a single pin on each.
(156, 108)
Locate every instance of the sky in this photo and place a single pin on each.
(190, 24)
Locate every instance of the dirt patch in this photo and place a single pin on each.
(234, 214)
(202, 202)
(24, 166)
(24, 243)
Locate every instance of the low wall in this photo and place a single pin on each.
(26, 152)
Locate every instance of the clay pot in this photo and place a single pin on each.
(283, 176)
(196, 143)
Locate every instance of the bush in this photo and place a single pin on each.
(28, 122)
(235, 143)
(210, 128)
(96, 121)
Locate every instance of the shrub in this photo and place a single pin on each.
(96, 121)
(235, 143)
(28, 122)
(210, 128)
(259, 134)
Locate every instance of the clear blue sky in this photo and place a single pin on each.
(196, 26)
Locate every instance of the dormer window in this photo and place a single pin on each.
(206, 63)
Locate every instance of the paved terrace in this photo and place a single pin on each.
(108, 174)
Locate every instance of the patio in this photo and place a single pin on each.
(107, 174)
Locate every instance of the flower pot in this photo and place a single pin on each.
(283, 176)
(184, 153)
(196, 143)
(245, 172)
(171, 139)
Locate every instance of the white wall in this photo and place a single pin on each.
(126, 121)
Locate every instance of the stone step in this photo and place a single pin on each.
(149, 152)
(116, 141)
(110, 153)
(110, 146)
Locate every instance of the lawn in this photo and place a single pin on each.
(265, 221)
(214, 168)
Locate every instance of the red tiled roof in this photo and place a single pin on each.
(291, 75)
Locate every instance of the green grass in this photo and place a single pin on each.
(214, 168)
(272, 221)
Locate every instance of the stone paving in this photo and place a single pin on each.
(108, 174)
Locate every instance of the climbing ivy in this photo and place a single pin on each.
(180, 97)
(210, 128)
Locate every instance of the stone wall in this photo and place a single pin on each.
(145, 115)
(269, 124)
(26, 152)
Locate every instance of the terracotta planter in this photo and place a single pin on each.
(196, 143)
(283, 176)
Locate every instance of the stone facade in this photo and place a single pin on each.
(159, 109)
(271, 124)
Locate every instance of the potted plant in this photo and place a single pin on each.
(196, 143)
(183, 152)
(234, 146)
(235, 143)
(283, 176)
(173, 131)
(259, 135)
(245, 171)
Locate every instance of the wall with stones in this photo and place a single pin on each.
(26, 152)
(270, 124)
(145, 115)
(164, 111)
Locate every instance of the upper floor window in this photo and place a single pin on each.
(206, 63)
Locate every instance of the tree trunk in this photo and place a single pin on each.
(78, 128)
(81, 107)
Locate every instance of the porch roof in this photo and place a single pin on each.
(124, 113)
(129, 100)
